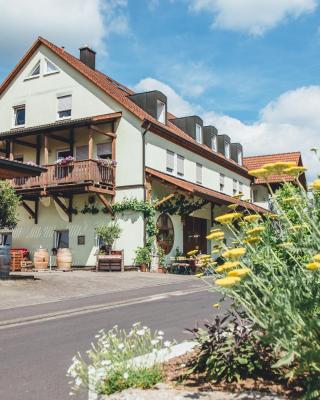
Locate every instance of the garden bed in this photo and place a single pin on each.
(175, 374)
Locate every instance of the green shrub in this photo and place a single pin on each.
(109, 233)
(143, 255)
(110, 367)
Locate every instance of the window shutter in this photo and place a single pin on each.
(64, 103)
(221, 179)
(199, 173)
(170, 161)
(104, 149)
(180, 165)
(82, 153)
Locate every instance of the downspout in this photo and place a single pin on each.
(144, 175)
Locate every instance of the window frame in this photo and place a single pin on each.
(168, 168)
(110, 154)
(227, 150)
(66, 149)
(67, 116)
(214, 143)
(15, 110)
(199, 130)
(30, 76)
(46, 73)
(181, 158)
(163, 112)
(222, 182)
(199, 177)
(234, 186)
(55, 238)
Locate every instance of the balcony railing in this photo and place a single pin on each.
(74, 172)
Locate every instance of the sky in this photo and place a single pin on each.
(251, 68)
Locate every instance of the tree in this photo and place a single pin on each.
(9, 202)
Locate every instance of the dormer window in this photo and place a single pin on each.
(161, 111)
(199, 133)
(20, 115)
(50, 68)
(227, 150)
(64, 106)
(214, 143)
(240, 157)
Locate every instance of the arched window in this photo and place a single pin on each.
(165, 236)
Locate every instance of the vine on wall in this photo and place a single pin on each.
(180, 205)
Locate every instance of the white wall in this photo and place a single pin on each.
(156, 158)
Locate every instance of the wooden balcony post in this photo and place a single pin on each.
(46, 151)
(11, 150)
(90, 145)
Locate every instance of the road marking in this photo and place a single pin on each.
(94, 308)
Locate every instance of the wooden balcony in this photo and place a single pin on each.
(76, 176)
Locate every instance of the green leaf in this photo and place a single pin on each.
(286, 360)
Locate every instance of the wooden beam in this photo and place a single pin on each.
(28, 209)
(36, 211)
(11, 150)
(94, 189)
(105, 202)
(71, 138)
(38, 147)
(24, 143)
(70, 208)
(62, 206)
(102, 132)
(90, 145)
(164, 199)
(46, 151)
(59, 138)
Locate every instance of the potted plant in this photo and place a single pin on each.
(143, 258)
(162, 260)
(109, 234)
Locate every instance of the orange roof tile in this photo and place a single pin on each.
(256, 162)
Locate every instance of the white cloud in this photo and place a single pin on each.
(252, 16)
(289, 123)
(71, 23)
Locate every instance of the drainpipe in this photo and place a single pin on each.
(144, 174)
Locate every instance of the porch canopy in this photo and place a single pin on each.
(10, 169)
(200, 191)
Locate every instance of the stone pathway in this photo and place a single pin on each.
(163, 392)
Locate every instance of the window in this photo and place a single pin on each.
(199, 173)
(64, 106)
(19, 116)
(222, 182)
(180, 165)
(63, 153)
(255, 195)
(50, 68)
(240, 187)
(214, 143)
(35, 72)
(198, 133)
(6, 239)
(234, 189)
(82, 152)
(61, 239)
(161, 111)
(165, 235)
(227, 149)
(170, 161)
(104, 150)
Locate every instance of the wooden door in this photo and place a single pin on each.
(194, 234)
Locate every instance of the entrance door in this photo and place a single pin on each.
(194, 234)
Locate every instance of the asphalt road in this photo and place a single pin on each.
(37, 343)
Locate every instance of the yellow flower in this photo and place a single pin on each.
(205, 256)
(294, 170)
(233, 206)
(296, 228)
(216, 305)
(229, 281)
(239, 272)
(286, 245)
(215, 230)
(315, 185)
(192, 253)
(228, 218)
(227, 265)
(238, 196)
(272, 216)
(252, 240)
(257, 229)
(279, 166)
(199, 275)
(317, 257)
(216, 251)
(259, 173)
(252, 218)
(290, 200)
(313, 266)
(215, 236)
(234, 253)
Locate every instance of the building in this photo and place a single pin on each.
(101, 143)
(259, 190)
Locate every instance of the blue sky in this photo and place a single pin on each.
(250, 67)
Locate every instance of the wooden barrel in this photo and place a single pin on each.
(41, 259)
(64, 259)
(4, 267)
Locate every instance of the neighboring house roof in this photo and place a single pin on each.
(256, 162)
(198, 190)
(120, 93)
(15, 169)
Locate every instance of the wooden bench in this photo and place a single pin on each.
(111, 262)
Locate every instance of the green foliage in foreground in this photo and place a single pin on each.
(9, 202)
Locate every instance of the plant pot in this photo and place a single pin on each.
(143, 268)
(160, 270)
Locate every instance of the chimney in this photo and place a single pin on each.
(88, 56)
